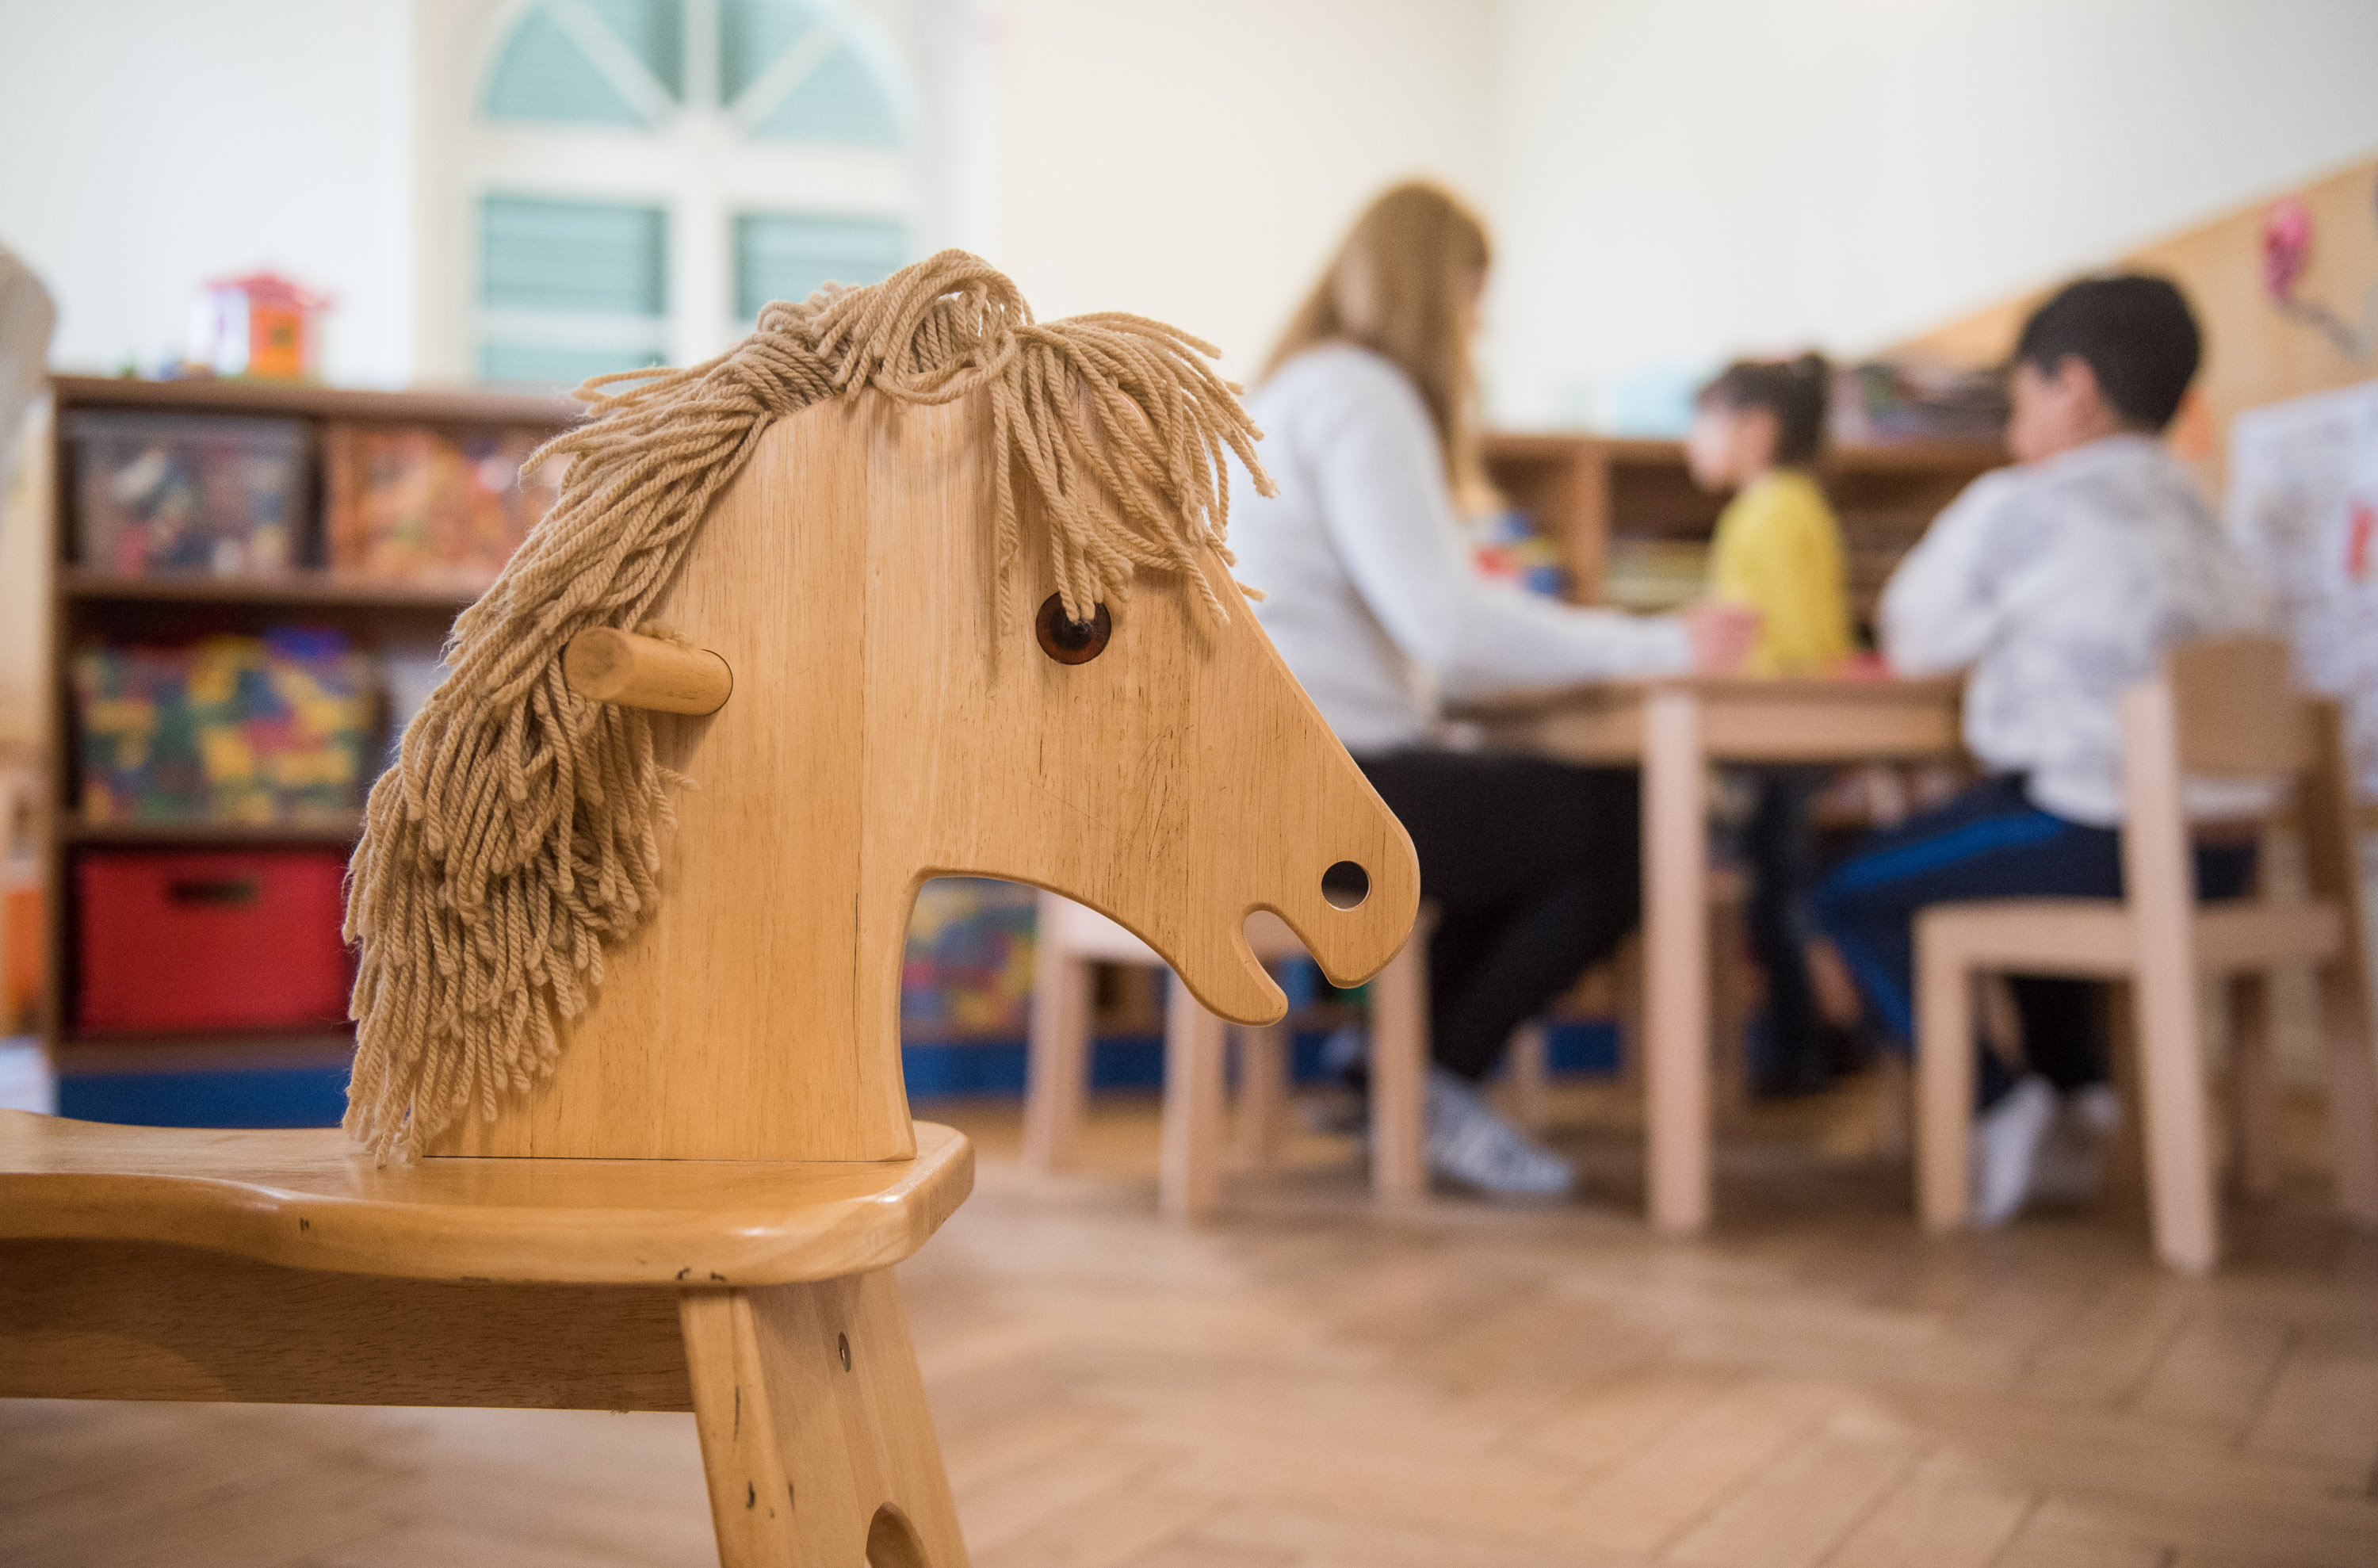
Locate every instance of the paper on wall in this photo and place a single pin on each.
(2303, 507)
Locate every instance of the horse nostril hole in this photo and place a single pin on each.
(1069, 641)
(1345, 885)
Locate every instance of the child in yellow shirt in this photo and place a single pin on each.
(1757, 430)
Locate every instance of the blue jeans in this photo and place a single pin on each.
(1990, 843)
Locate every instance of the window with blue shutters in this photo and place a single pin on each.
(646, 174)
(792, 255)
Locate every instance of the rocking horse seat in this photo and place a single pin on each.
(307, 1199)
(287, 1267)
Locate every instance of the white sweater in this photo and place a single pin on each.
(2057, 584)
(1372, 595)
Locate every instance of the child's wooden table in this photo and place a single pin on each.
(1674, 729)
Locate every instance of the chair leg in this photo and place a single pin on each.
(816, 1439)
(2126, 1159)
(1262, 1093)
(2180, 1192)
(1189, 1173)
(2349, 1009)
(2352, 1094)
(1058, 1068)
(1399, 1073)
(2160, 891)
(1729, 1014)
(1627, 1002)
(1944, 1079)
(1894, 1107)
(1530, 1084)
(2255, 1086)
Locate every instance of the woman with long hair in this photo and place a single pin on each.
(1373, 598)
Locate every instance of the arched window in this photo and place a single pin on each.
(645, 175)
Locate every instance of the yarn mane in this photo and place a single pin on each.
(517, 836)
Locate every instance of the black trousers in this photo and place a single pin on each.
(1536, 869)
(1779, 850)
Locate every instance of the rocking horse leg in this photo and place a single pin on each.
(815, 1436)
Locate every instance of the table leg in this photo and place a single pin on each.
(1675, 873)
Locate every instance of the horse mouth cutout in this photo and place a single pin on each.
(1069, 641)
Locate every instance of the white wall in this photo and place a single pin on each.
(1682, 181)
(145, 145)
(1197, 162)
(1671, 182)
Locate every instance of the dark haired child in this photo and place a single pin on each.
(1757, 430)
(2056, 583)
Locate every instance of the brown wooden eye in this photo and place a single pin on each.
(1069, 641)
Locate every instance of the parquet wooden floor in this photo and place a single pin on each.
(1312, 1383)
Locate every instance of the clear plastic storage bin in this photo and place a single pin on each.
(157, 493)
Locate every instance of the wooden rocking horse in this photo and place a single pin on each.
(632, 1122)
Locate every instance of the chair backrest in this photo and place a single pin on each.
(2236, 713)
(2226, 707)
(2221, 708)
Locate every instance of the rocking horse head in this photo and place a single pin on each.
(968, 576)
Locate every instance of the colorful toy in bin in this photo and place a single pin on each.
(262, 325)
(186, 493)
(267, 729)
(419, 505)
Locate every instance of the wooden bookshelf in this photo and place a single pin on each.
(1596, 496)
(304, 589)
(211, 834)
(86, 604)
(459, 405)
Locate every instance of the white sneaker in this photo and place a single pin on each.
(1468, 1144)
(2006, 1147)
(2071, 1164)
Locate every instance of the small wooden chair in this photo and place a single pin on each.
(2223, 709)
(700, 1208)
(1070, 938)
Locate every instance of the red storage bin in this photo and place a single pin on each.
(221, 939)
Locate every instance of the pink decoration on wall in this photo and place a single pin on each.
(2287, 256)
(2286, 247)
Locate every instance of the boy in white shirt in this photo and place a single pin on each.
(2056, 583)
